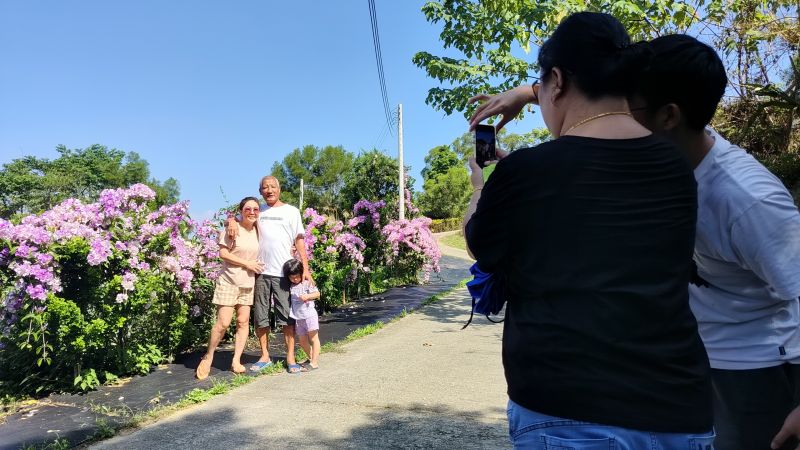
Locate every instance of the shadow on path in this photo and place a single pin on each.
(393, 427)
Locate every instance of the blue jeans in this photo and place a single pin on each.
(532, 430)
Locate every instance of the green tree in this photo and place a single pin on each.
(438, 161)
(753, 36)
(446, 185)
(322, 170)
(374, 177)
(757, 40)
(446, 195)
(32, 185)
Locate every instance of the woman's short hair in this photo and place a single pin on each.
(595, 53)
(245, 200)
(292, 267)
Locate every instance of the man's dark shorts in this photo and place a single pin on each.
(272, 316)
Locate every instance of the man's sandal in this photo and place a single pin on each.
(294, 368)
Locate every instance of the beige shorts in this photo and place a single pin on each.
(232, 295)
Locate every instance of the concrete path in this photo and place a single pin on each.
(451, 251)
(420, 382)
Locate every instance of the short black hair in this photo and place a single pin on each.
(292, 267)
(686, 72)
(245, 200)
(595, 53)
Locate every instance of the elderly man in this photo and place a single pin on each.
(279, 227)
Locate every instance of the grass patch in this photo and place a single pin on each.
(366, 330)
(331, 347)
(432, 299)
(454, 240)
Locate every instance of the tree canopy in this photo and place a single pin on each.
(753, 36)
(321, 170)
(375, 176)
(32, 185)
(758, 40)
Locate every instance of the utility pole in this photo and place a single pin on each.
(300, 205)
(402, 183)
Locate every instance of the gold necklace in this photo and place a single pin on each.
(589, 119)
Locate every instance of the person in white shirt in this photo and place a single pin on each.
(747, 252)
(280, 227)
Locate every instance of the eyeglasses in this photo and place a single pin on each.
(250, 209)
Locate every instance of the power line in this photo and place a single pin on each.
(380, 137)
(376, 43)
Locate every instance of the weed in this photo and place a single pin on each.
(122, 411)
(240, 380)
(104, 430)
(57, 444)
(195, 396)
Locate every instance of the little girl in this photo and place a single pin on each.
(303, 295)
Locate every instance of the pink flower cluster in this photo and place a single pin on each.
(333, 236)
(413, 236)
(121, 234)
(406, 240)
(411, 209)
(372, 210)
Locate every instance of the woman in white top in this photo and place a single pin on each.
(234, 290)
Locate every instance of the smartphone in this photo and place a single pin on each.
(485, 150)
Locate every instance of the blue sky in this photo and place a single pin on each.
(213, 93)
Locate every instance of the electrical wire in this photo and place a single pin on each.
(376, 43)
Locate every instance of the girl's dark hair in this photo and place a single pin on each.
(595, 53)
(245, 200)
(292, 267)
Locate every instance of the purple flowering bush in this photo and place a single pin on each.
(335, 256)
(412, 248)
(92, 291)
(368, 252)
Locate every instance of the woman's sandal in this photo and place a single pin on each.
(204, 368)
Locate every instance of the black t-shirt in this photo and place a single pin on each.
(594, 238)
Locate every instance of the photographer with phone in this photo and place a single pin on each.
(593, 234)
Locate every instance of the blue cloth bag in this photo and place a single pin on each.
(488, 294)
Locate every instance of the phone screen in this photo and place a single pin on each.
(484, 145)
